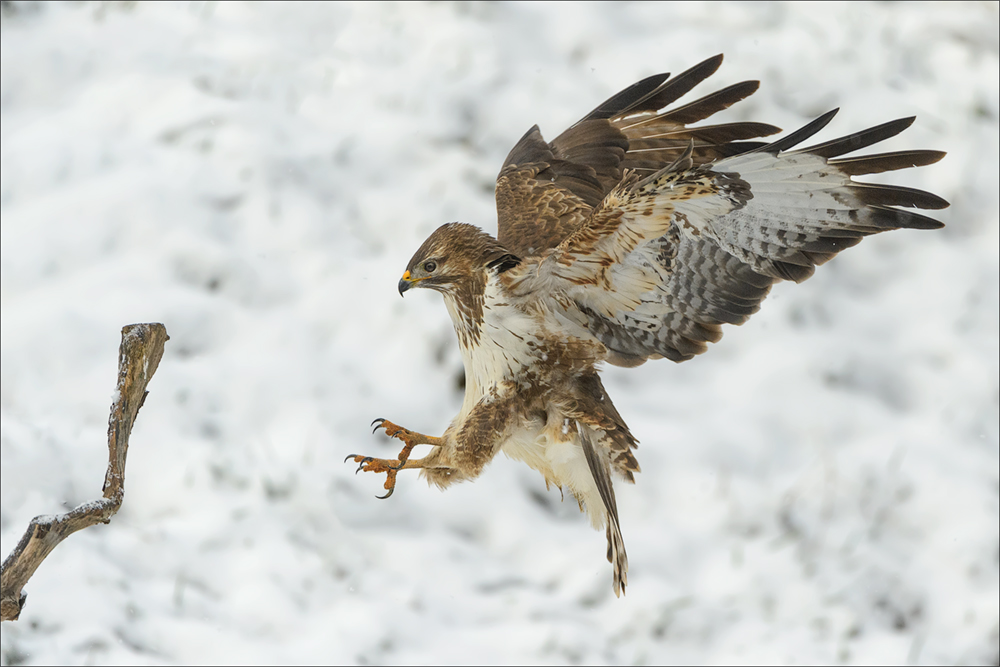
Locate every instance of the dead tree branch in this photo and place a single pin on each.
(138, 357)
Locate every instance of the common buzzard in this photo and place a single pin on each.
(631, 236)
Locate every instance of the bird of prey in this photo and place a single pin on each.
(631, 236)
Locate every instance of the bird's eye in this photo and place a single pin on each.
(430, 267)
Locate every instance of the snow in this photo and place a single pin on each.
(822, 486)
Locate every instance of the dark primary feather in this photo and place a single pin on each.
(799, 135)
(628, 98)
(859, 140)
(878, 163)
(882, 162)
(710, 104)
(677, 87)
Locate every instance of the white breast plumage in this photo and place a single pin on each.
(506, 345)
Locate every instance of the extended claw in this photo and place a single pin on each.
(391, 430)
(360, 459)
(390, 466)
(372, 464)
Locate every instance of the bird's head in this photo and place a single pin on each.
(451, 256)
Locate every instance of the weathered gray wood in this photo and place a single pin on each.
(138, 357)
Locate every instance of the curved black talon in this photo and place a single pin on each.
(349, 456)
(377, 423)
(386, 495)
(362, 463)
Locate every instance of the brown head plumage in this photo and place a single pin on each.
(452, 256)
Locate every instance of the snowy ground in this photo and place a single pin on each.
(821, 487)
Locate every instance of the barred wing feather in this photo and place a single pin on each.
(667, 259)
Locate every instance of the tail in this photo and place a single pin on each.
(601, 470)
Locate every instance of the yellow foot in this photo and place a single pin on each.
(395, 431)
(388, 466)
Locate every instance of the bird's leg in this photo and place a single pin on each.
(391, 466)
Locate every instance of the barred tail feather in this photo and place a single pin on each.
(601, 470)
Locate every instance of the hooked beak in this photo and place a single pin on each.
(405, 283)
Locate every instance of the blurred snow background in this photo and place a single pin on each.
(821, 487)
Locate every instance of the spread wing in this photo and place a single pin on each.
(669, 257)
(545, 191)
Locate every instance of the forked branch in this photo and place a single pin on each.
(138, 358)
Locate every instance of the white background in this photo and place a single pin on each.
(822, 486)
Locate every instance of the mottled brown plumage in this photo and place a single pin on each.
(629, 237)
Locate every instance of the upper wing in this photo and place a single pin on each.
(667, 259)
(545, 191)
